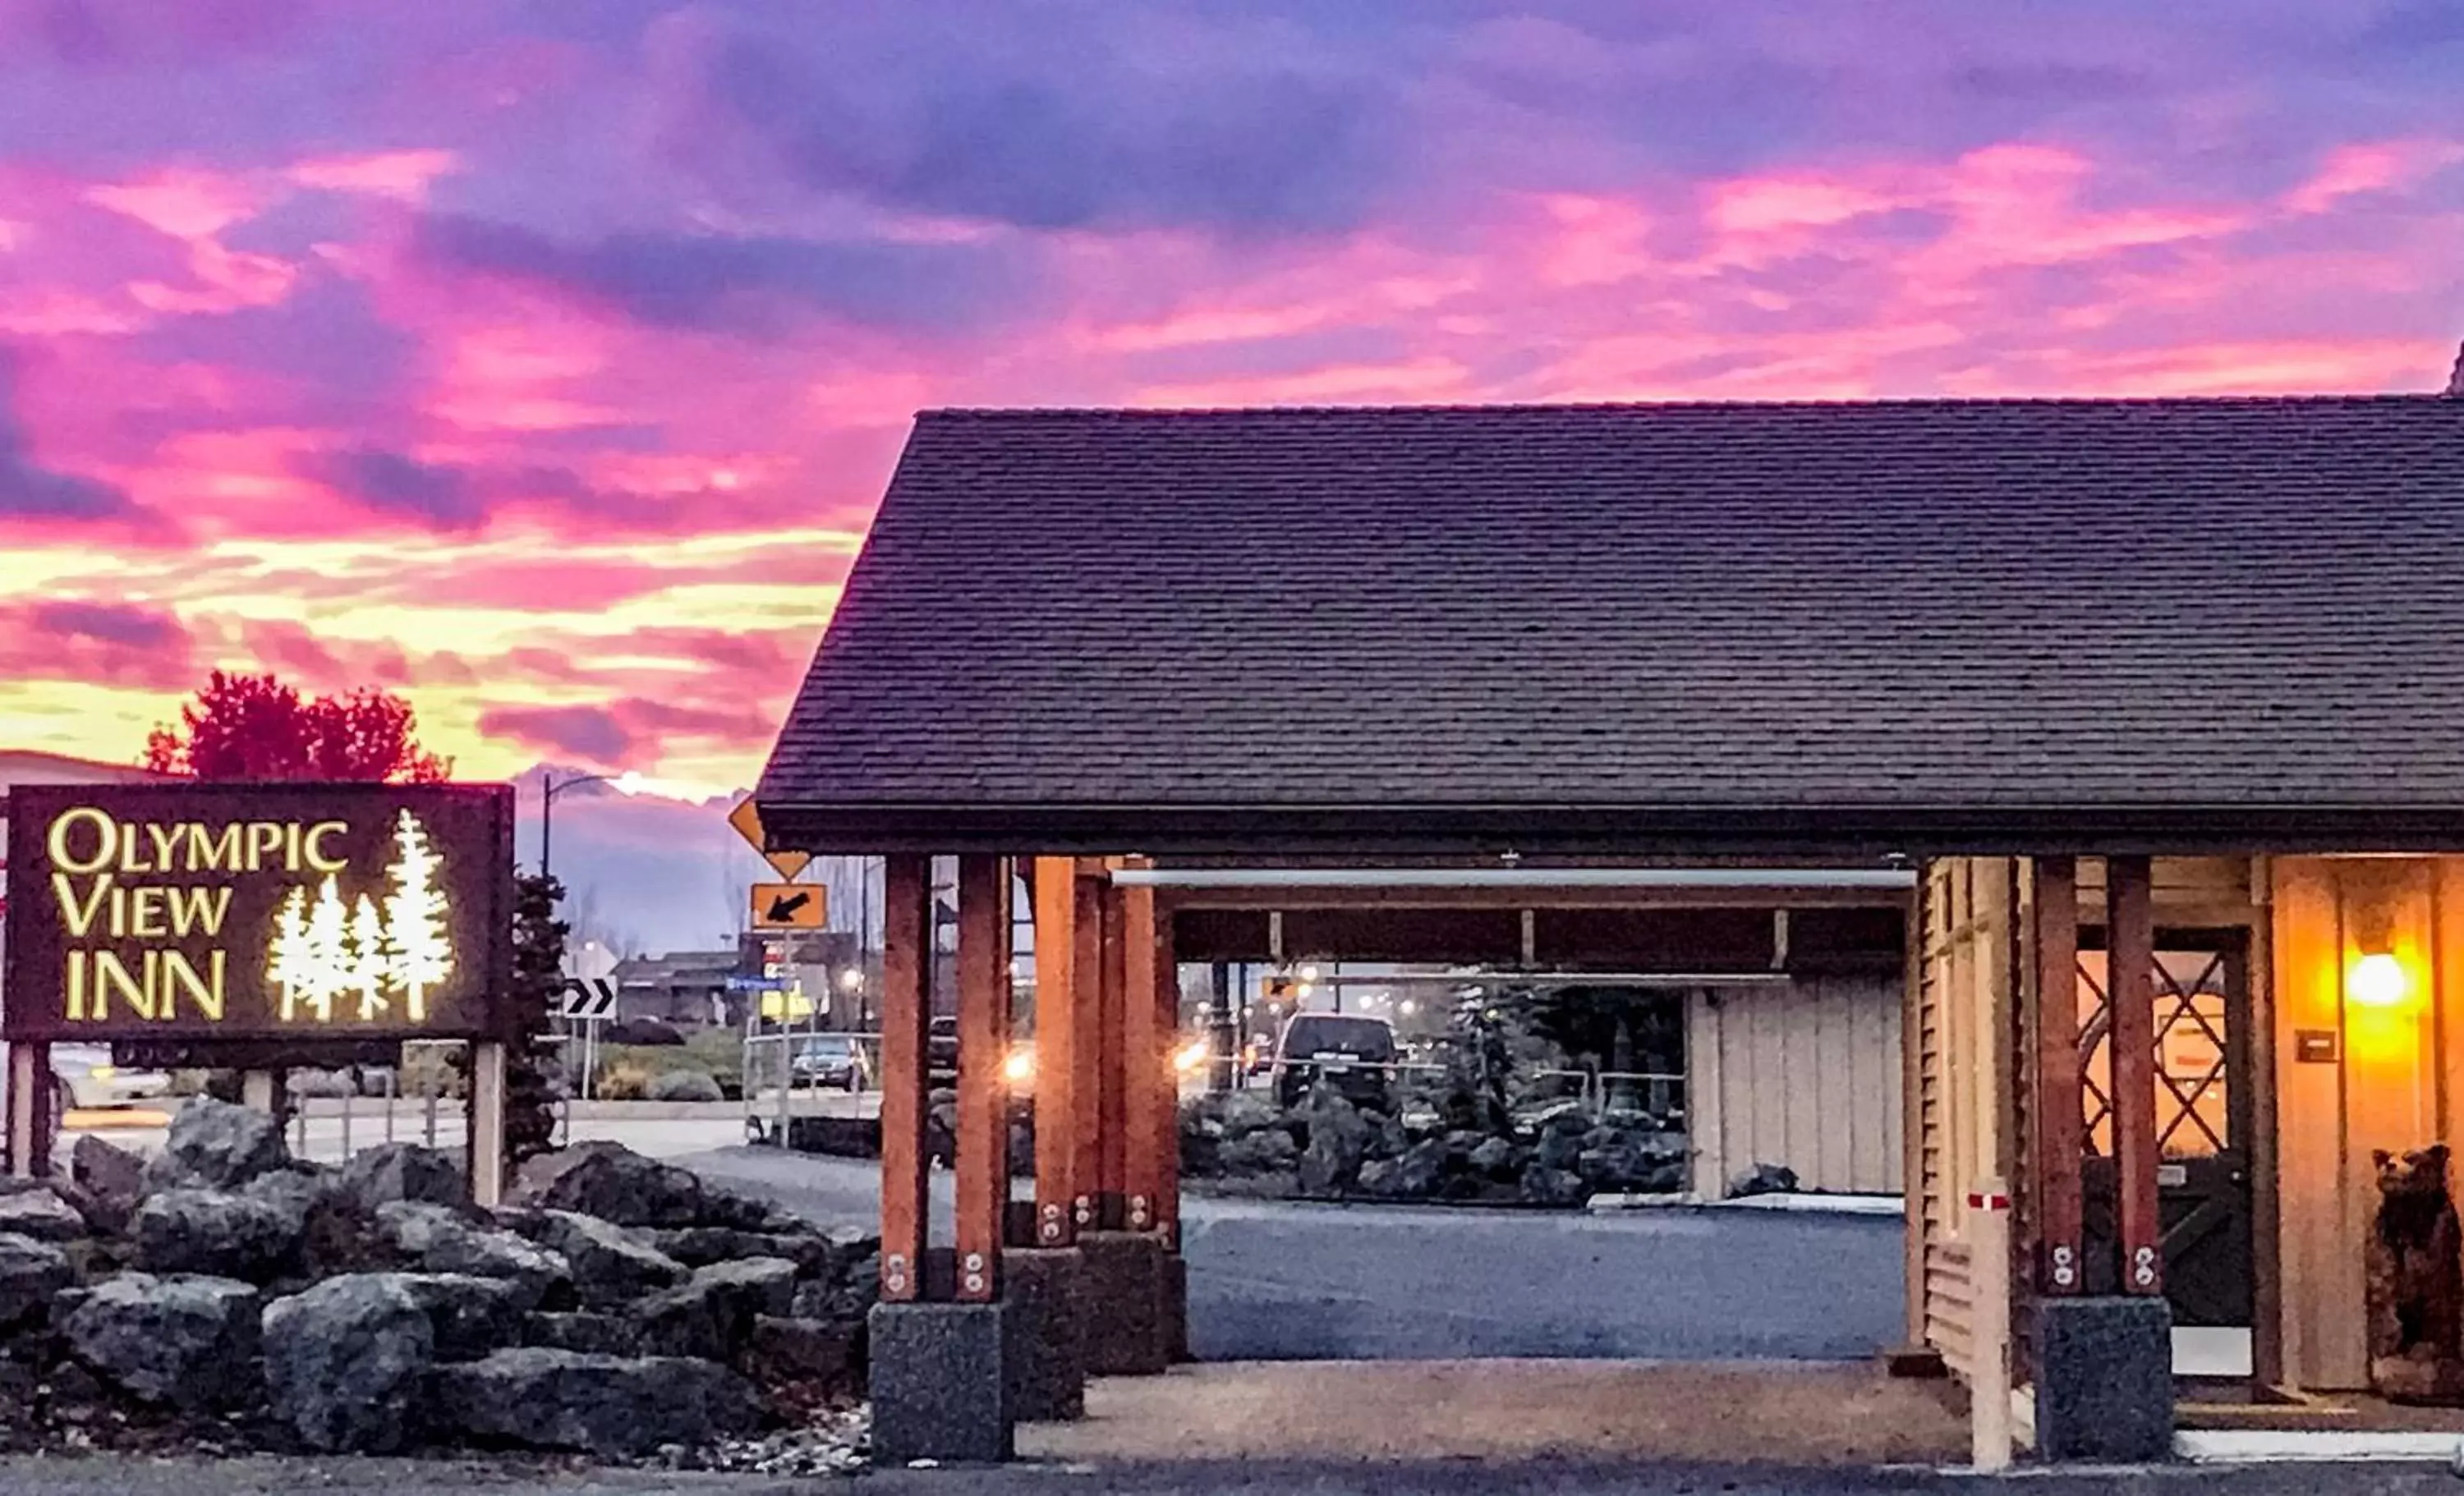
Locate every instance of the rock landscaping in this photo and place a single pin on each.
(1326, 1148)
(224, 1297)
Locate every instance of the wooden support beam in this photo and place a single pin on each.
(982, 1165)
(2130, 952)
(906, 1020)
(1151, 1023)
(1086, 1050)
(2058, 1096)
(1112, 1180)
(1056, 1052)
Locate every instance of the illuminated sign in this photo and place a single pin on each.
(260, 912)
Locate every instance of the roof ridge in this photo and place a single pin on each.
(1511, 408)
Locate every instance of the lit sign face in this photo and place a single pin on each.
(257, 911)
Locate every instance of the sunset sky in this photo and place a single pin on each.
(542, 359)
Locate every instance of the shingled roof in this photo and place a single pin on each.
(1554, 624)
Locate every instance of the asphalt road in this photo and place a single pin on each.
(1274, 1282)
(140, 1477)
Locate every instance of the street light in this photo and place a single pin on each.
(550, 787)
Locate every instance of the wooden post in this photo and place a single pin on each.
(30, 1110)
(1989, 1392)
(2061, 1109)
(487, 1122)
(1915, 1201)
(1086, 1048)
(906, 1021)
(1056, 1063)
(256, 1090)
(983, 1047)
(2131, 955)
(1113, 1153)
(1150, 1021)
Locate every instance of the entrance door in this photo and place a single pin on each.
(2202, 993)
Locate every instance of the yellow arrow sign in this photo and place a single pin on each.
(789, 906)
(747, 821)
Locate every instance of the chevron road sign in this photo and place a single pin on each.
(588, 998)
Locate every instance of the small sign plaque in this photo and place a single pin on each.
(2314, 1046)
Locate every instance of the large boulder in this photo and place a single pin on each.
(344, 1362)
(698, 1246)
(610, 1266)
(607, 1405)
(435, 1238)
(1261, 1151)
(595, 1333)
(1497, 1159)
(710, 1314)
(471, 1316)
(1338, 1143)
(188, 1341)
(1543, 1185)
(112, 1178)
(1417, 1174)
(213, 1234)
(219, 1145)
(1763, 1178)
(823, 1353)
(391, 1171)
(40, 1214)
(1559, 1149)
(31, 1274)
(612, 1183)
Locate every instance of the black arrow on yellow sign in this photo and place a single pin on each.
(782, 909)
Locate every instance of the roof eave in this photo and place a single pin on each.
(1854, 833)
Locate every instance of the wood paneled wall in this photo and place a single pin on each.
(2394, 1084)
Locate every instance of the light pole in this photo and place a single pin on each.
(550, 787)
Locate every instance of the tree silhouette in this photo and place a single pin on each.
(287, 963)
(257, 726)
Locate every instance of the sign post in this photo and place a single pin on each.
(254, 926)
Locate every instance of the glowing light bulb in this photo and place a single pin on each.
(2378, 981)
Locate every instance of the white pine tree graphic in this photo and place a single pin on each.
(326, 956)
(287, 963)
(372, 957)
(414, 917)
(327, 948)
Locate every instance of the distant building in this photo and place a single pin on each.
(687, 988)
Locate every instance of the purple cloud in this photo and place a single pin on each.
(110, 622)
(736, 284)
(29, 491)
(591, 734)
(1063, 127)
(440, 497)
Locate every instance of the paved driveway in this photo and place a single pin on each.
(1279, 1282)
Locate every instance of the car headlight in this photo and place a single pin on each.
(101, 1072)
(1191, 1056)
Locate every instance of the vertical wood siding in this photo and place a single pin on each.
(1805, 1075)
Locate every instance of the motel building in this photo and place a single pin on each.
(2146, 716)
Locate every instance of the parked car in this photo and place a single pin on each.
(89, 1081)
(1355, 1056)
(833, 1059)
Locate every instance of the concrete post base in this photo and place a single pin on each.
(1122, 1306)
(1176, 1308)
(940, 1382)
(1047, 1368)
(2104, 1379)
